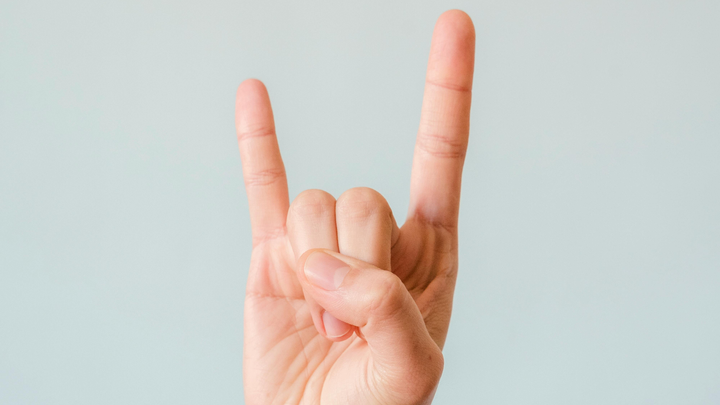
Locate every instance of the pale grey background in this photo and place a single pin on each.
(590, 228)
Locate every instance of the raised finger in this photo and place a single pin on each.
(445, 120)
(263, 169)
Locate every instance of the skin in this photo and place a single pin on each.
(375, 337)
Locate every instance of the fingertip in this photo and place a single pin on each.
(326, 324)
(303, 258)
(452, 53)
(250, 92)
(250, 85)
(301, 262)
(335, 329)
(458, 21)
(252, 105)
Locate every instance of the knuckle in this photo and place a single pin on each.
(388, 297)
(313, 203)
(361, 202)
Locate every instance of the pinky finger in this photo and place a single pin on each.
(263, 169)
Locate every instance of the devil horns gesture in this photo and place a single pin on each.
(342, 306)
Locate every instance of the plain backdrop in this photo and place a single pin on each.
(590, 218)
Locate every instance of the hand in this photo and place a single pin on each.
(342, 306)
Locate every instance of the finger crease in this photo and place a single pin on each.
(256, 133)
(441, 146)
(264, 177)
(448, 86)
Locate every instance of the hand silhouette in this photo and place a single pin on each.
(342, 306)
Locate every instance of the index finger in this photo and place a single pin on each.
(444, 122)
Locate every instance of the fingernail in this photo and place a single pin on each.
(333, 326)
(325, 271)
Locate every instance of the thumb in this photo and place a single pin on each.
(378, 304)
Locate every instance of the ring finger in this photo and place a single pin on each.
(311, 225)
